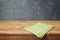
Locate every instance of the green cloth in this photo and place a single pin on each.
(39, 29)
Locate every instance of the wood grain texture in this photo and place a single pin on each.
(13, 30)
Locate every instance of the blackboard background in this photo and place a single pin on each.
(29, 9)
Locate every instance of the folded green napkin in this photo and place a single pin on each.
(39, 29)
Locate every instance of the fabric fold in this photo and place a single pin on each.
(39, 29)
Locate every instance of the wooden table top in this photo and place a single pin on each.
(16, 27)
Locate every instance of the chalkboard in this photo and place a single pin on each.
(29, 10)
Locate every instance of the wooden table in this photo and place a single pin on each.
(13, 30)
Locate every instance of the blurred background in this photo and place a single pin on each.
(29, 9)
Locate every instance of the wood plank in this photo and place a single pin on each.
(14, 29)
